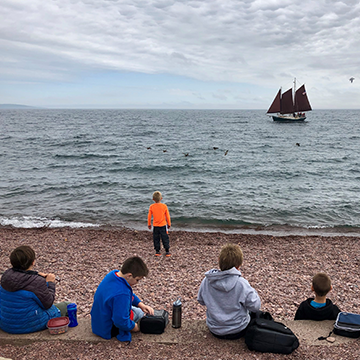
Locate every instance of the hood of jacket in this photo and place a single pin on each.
(223, 280)
(14, 280)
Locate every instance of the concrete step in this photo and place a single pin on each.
(191, 331)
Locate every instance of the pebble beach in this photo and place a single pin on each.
(280, 268)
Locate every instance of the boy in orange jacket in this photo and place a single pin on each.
(161, 222)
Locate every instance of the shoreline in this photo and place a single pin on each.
(271, 230)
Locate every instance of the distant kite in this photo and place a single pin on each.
(351, 79)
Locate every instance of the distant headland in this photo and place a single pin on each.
(17, 106)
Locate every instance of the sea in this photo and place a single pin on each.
(217, 170)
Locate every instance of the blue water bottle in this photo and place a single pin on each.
(72, 310)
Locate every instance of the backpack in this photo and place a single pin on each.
(154, 324)
(347, 324)
(267, 335)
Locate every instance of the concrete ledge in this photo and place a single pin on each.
(309, 331)
(191, 332)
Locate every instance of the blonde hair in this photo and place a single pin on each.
(321, 284)
(231, 256)
(157, 196)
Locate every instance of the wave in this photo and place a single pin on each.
(186, 224)
(29, 222)
(85, 156)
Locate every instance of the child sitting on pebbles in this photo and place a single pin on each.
(227, 296)
(27, 296)
(318, 308)
(116, 309)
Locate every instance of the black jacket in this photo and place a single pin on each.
(307, 312)
(13, 280)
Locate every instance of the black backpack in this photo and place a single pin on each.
(154, 324)
(266, 335)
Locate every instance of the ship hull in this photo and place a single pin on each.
(281, 118)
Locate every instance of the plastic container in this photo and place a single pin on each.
(72, 314)
(58, 325)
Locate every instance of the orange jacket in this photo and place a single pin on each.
(160, 214)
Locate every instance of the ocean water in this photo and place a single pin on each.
(243, 172)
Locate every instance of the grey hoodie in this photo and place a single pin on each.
(228, 298)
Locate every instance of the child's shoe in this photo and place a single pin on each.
(168, 254)
(158, 253)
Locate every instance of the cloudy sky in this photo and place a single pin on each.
(226, 54)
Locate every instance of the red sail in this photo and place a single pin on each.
(275, 106)
(287, 105)
(301, 100)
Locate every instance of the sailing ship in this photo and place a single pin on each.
(289, 108)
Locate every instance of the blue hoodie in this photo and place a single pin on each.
(228, 298)
(112, 306)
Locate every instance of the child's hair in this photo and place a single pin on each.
(135, 266)
(231, 256)
(157, 196)
(22, 257)
(321, 284)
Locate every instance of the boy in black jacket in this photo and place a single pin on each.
(319, 308)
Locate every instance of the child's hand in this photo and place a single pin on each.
(149, 226)
(146, 309)
(50, 277)
(135, 328)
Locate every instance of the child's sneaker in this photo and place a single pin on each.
(158, 253)
(168, 254)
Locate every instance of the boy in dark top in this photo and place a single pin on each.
(318, 308)
(27, 296)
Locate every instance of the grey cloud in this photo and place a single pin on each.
(220, 40)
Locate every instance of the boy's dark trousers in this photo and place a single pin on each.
(160, 232)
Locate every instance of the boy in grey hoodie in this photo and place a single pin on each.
(227, 296)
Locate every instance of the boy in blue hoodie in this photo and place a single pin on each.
(228, 297)
(116, 309)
